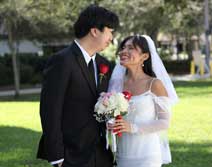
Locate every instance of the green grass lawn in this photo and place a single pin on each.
(190, 133)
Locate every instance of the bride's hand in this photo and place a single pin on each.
(122, 126)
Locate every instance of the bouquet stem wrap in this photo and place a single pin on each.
(111, 138)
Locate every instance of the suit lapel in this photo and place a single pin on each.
(84, 68)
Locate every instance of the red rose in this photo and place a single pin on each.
(127, 95)
(103, 70)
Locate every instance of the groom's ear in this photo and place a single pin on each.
(94, 32)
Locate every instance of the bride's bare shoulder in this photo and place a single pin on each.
(158, 88)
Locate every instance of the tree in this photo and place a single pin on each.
(10, 13)
(36, 19)
(180, 18)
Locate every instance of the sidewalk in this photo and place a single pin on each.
(187, 77)
(22, 92)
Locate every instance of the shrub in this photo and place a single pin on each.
(6, 76)
(31, 67)
(26, 73)
(177, 66)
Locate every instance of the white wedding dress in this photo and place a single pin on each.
(148, 146)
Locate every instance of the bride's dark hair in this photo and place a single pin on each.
(141, 42)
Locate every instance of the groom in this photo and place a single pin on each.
(71, 135)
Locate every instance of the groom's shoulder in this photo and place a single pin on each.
(63, 53)
(62, 56)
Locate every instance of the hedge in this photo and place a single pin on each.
(31, 67)
(177, 67)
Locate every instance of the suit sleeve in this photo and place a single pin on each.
(56, 78)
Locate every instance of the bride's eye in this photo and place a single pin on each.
(123, 47)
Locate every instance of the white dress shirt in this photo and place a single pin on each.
(87, 58)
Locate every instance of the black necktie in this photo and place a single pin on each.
(91, 70)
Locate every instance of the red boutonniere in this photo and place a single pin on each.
(103, 68)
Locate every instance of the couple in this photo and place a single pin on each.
(71, 86)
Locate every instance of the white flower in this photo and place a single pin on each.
(109, 105)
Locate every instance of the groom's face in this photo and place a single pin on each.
(104, 38)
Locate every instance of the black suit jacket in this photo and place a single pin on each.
(66, 107)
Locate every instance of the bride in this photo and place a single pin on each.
(144, 142)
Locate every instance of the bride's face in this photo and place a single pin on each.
(130, 55)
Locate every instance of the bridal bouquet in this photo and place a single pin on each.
(111, 106)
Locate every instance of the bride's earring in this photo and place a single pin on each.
(142, 63)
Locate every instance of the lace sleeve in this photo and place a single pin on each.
(162, 121)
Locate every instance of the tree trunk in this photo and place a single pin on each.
(154, 35)
(189, 47)
(14, 59)
(207, 32)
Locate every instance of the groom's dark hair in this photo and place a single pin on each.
(95, 17)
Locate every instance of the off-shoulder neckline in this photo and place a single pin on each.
(146, 92)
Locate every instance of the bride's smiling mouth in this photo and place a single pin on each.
(124, 57)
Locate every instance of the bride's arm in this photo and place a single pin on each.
(162, 123)
(162, 107)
